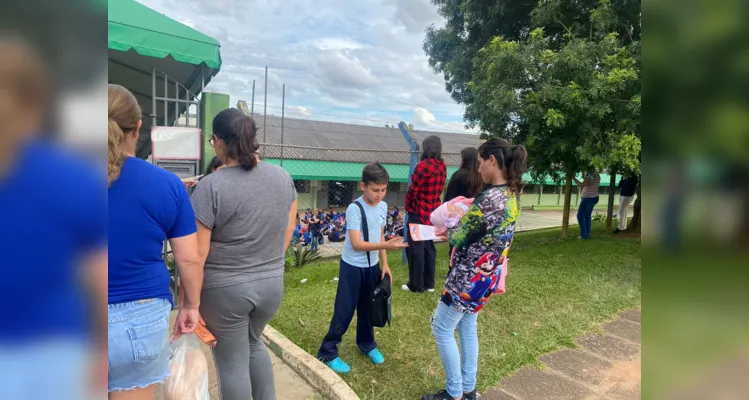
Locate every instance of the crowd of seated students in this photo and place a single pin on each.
(316, 226)
(330, 226)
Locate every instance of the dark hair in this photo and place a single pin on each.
(238, 131)
(431, 147)
(469, 164)
(375, 173)
(215, 164)
(511, 158)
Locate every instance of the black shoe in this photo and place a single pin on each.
(471, 396)
(441, 395)
(616, 231)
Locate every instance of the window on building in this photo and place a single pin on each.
(301, 186)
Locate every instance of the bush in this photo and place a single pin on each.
(298, 256)
(170, 265)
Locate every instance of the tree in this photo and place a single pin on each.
(571, 97)
(411, 126)
(471, 24)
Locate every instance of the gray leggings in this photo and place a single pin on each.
(237, 315)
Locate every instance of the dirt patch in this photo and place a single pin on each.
(622, 380)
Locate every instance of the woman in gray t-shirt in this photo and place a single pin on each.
(246, 215)
(589, 193)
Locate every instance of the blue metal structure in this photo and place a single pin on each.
(406, 132)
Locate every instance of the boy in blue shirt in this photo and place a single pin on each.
(358, 278)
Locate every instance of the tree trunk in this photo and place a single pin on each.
(634, 224)
(612, 194)
(566, 209)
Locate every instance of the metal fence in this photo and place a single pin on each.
(327, 180)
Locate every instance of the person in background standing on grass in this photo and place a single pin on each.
(589, 192)
(246, 216)
(483, 239)
(627, 189)
(422, 199)
(466, 181)
(147, 205)
(360, 272)
(53, 248)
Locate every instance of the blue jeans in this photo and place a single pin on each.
(138, 344)
(585, 215)
(460, 365)
(315, 242)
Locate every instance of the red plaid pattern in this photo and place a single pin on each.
(426, 187)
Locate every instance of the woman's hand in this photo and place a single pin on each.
(187, 320)
(189, 182)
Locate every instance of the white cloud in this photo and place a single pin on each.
(362, 57)
(299, 111)
(423, 116)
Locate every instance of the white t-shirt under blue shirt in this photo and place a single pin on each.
(376, 220)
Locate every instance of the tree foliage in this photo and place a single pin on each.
(561, 77)
(471, 24)
(573, 101)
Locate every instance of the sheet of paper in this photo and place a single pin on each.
(421, 233)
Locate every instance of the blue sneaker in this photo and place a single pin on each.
(376, 357)
(338, 365)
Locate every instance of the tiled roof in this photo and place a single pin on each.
(332, 141)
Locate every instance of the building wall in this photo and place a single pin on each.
(316, 194)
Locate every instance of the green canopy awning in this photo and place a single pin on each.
(350, 171)
(135, 26)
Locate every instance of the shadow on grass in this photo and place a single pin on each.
(557, 289)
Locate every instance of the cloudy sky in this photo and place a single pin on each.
(341, 60)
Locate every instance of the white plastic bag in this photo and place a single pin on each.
(188, 371)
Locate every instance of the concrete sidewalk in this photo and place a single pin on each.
(605, 367)
(289, 385)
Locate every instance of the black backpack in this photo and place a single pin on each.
(381, 312)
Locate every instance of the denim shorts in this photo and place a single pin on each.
(138, 344)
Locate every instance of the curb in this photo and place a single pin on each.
(319, 376)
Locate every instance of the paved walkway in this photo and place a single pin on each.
(289, 385)
(605, 367)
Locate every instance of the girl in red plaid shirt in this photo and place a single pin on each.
(422, 199)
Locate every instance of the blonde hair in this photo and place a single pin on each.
(124, 115)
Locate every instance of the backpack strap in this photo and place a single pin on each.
(364, 228)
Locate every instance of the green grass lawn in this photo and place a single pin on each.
(556, 290)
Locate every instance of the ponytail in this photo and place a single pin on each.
(239, 133)
(124, 117)
(516, 167)
(116, 155)
(510, 158)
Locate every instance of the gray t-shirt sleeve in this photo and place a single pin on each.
(203, 201)
(294, 194)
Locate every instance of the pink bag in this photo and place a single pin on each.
(442, 219)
